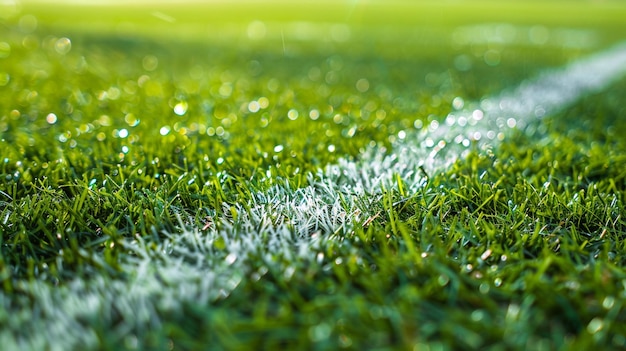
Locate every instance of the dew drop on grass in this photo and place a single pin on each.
(181, 108)
(362, 85)
(477, 315)
(219, 131)
(113, 93)
(458, 103)
(497, 282)
(512, 312)
(150, 63)
(320, 257)
(450, 120)
(225, 90)
(292, 114)
(254, 106)
(349, 133)
(263, 102)
(608, 302)
(338, 119)
(104, 120)
(511, 122)
(433, 126)
(443, 280)
(595, 325)
(486, 254)
(51, 118)
(123, 133)
(63, 45)
(231, 258)
(131, 120)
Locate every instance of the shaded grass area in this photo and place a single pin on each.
(520, 247)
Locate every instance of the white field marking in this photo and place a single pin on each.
(292, 224)
(488, 121)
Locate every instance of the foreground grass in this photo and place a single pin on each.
(516, 247)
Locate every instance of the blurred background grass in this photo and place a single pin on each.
(161, 17)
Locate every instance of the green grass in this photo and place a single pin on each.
(127, 225)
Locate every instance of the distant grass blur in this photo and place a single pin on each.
(164, 18)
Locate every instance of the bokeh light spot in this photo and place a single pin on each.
(362, 85)
(51, 118)
(181, 108)
(292, 114)
(63, 45)
(150, 63)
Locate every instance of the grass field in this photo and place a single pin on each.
(333, 175)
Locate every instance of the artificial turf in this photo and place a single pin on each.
(133, 167)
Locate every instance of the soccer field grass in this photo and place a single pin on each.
(334, 175)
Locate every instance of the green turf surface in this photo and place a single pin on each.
(122, 151)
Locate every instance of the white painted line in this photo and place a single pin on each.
(489, 120)
(292, 222)
(201, 266)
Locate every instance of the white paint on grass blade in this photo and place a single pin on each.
(282, 225)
